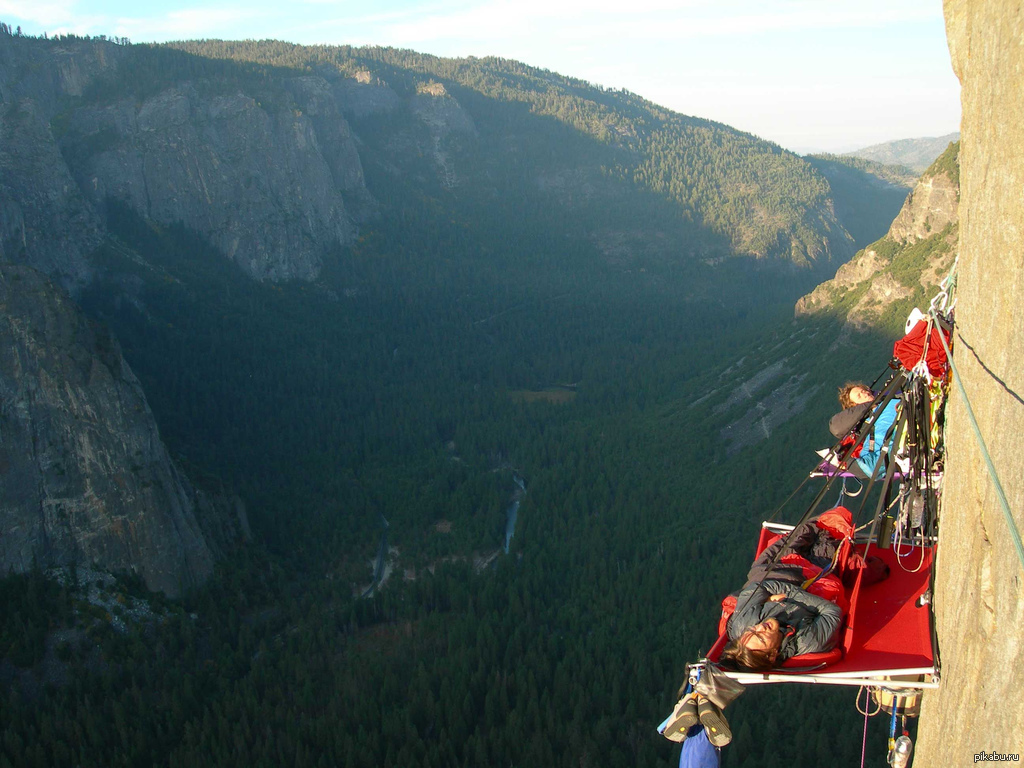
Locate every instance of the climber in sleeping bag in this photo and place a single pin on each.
(775, 617)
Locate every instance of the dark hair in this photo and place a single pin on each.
(747, 659)
(844, 392)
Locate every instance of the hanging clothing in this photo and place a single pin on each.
(698, 752)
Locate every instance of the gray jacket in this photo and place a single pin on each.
(814, 620)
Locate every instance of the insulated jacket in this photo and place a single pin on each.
(847, 419)
(815, 621)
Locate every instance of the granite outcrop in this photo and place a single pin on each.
(879, 276)
(84, 476)
(255, 183)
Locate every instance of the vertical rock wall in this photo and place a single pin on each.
(980, 583)
(84, 476)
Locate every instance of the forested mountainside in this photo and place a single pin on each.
(865, 216)
(916, 154)
(278, 154)
(504, 401)
(360, 174)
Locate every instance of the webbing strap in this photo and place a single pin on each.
(835, 451)
(874, 475)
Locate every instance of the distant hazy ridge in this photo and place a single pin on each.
(916, 154)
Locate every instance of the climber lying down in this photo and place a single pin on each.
(779, 620)
(775, 617)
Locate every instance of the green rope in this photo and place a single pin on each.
(949, 284)
(1014, 533)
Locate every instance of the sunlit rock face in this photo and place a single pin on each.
(979, 594)
(84, 476)
(929, 213)
(930, 207)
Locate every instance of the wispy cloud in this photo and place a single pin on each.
(613, 20)
(189, 23)
(46, 14)
(146, 22)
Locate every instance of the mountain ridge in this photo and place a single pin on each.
(904, 266)
(917, 153)
(157, 127)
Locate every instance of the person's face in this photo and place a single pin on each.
(766, 636)
(860, 395)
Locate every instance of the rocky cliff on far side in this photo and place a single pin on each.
(905, 266)
(274, 183)
(979, 598)
(84, 476)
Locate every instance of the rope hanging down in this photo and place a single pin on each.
(1014, 533)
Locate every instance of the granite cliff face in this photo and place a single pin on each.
(912, 258)
(978, 594)
(274, 186)
(45, 220)
(204, 161)
(930, 207)
(274, 180)
(84, 476)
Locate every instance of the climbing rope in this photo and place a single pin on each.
(944, 301)
(864, 741)
(1014, 533)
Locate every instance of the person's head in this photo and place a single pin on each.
(854, 393)
(757, 649)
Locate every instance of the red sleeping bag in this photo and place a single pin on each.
(837, 521)
(910, 349)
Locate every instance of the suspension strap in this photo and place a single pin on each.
(881, 511)
(835, 451)
(900, 379)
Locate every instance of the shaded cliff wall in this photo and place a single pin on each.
(274, 188)
(84, 476)
(979, 597)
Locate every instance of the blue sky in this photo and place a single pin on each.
(809, 74)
